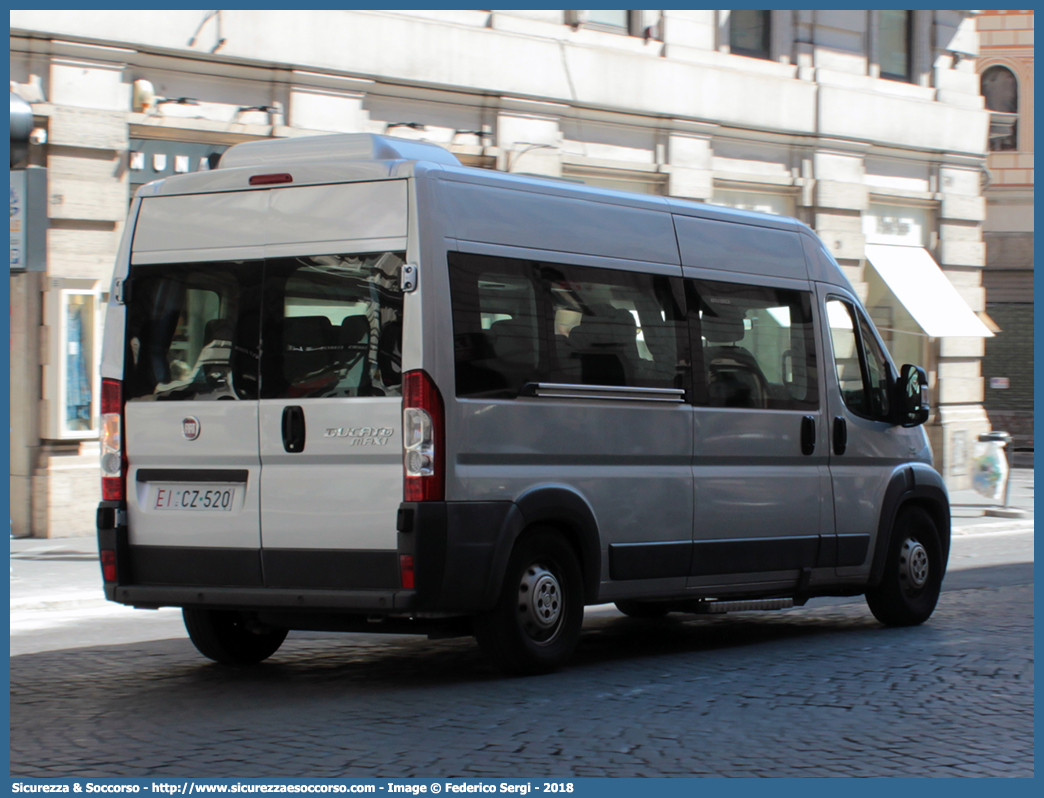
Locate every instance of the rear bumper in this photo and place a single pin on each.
(456, 549)
(244, 598)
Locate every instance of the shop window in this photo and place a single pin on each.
(750, 32)
(73, 315)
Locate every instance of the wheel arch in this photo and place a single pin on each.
(911, 486)
(565, 510)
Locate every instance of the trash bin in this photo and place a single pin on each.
(993, 471)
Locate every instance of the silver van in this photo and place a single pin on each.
(351, 385)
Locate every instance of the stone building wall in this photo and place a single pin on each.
(660, 105)
(1007, 41)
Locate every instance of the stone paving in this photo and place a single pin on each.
(807, 692)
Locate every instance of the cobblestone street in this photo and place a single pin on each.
(809, 692)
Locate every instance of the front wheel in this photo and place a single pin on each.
(536, 622)
(913, 571)
(228, 637)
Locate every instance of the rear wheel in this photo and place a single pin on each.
(536, 622)
(642, 609)
(228, 637)
(913, 571)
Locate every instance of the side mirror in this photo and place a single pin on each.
(911, 399)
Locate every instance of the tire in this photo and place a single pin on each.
(642, 609)
(913, 571)
(225, 636)
(536, 622)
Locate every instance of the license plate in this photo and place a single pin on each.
(201, 498)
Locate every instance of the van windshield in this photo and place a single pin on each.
(328, 325)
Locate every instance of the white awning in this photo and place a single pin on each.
(918, 282)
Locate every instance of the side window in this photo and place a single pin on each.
(516, 322)
(863, 373)
(497, 326)
(613, 328)
(878, 371)
(333, 326)
(757, 345)
(192, 332)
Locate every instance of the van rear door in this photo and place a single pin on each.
(331, 408)
(191, 391)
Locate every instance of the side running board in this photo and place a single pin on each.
(753, 605)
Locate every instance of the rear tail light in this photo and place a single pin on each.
(108, 564)
(113, 461)
(405, 570)
(423, 436)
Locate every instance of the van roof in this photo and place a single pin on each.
(349, 157)
(334, 148)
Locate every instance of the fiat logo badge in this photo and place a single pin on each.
(190, 428)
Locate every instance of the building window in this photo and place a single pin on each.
(615, 18)
(894, 46)
(749, 33)
(1001, 90)
(614, 21)
(152, 159)
(783, 204)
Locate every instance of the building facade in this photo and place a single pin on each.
(867, 125)
(1006, 74)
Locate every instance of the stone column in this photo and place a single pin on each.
(962, 255)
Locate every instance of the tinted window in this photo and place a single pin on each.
(333, 326)
(613, 327)
(518, 321)
(757, 346)
(192, 332)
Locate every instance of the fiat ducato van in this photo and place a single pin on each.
(351, 385)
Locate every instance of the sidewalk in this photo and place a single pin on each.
(968, 508)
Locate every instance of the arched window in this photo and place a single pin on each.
(1001, 90)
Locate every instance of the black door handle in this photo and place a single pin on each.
(808, 434)
(293, 428)
(840, 435)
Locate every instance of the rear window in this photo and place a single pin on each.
(328, 325)
(333, 326)
(193, 331)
